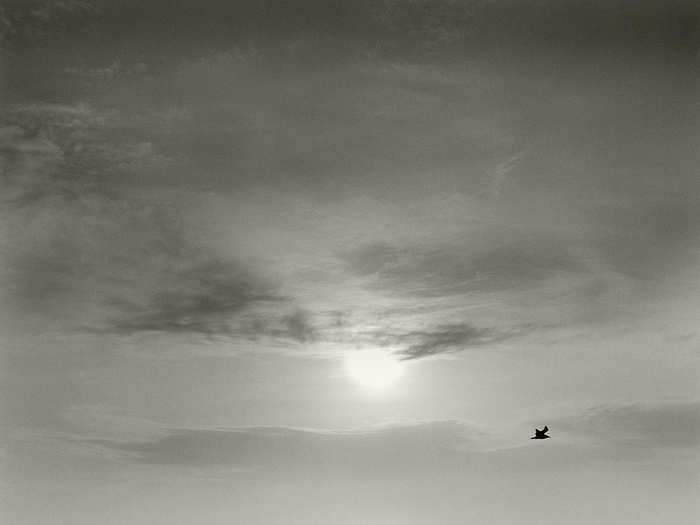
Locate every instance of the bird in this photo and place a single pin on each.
(541, 434)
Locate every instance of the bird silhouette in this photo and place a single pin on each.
(541, 434)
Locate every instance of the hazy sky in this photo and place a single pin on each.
(331, 263)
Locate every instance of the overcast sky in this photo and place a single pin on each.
(331, 263)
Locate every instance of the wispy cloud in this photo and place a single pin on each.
(200, 299)
(483, 264)
(280, 448)
(502, 170)
(652, 425)
(123, 263)
(451, 338)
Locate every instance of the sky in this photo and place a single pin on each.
(332, 263)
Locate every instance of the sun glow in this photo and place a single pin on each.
(373, 369)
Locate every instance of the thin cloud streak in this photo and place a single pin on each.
(452, 338)
(279, 448)
(660, 425)
(482, 264)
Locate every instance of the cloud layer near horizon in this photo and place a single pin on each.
(653, 427)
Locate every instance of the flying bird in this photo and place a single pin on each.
(541, 434)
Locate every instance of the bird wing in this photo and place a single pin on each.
(545, 429)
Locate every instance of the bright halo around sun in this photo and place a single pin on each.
(373, 369)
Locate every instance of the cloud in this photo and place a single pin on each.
(84, 253)
(29, 165)
(70, 150)
(42, 21)
(648, 241)
(199, 299)
(502, 170)
(480, 265)
(371, 258)
(282, 448)
(297, 327)
(432, 444)
(655, 425)
(491, 284)
(449, 338)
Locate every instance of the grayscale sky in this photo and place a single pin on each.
(331, 262)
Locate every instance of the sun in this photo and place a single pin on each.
(373, 368)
